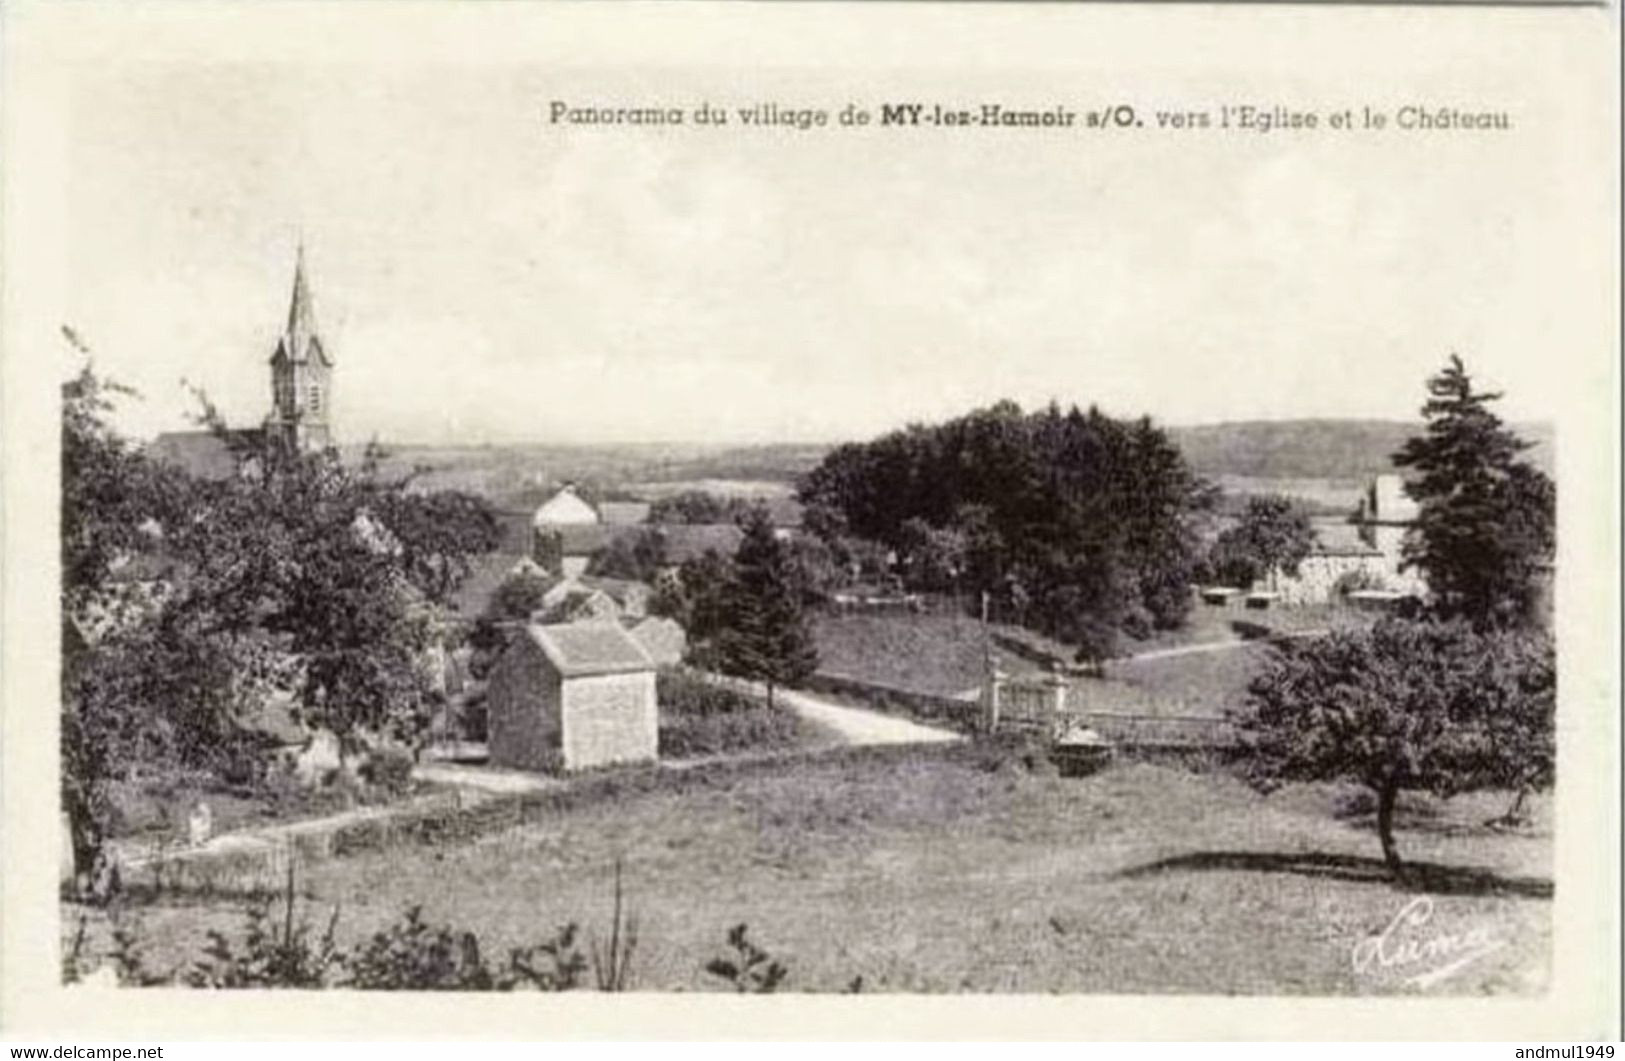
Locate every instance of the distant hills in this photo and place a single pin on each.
(1325, 459)
(1314, 449)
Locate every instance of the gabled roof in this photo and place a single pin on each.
(581, 649)
(565, 508)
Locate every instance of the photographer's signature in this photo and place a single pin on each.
(1419, 954)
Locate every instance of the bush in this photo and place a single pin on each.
(389, 769)
(698, 718)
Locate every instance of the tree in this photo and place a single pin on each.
(1432, 705)
(763, 634)
(697, 506)
(640, 555)
(1082, 510)
(1271, 538)
(1485, 528)
(439, 533)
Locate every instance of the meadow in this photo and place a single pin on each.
(956, 869)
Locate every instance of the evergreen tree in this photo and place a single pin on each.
(765, 637)
(1485, 527)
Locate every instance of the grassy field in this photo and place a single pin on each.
(943, 654)
(953, 870)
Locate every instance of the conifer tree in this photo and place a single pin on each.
(1484, 533)
(766, 637)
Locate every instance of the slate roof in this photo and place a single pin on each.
(1340, 538)
(690, 541)
(623, 513)
(487, 574)
(201, 454)
(581, 649)
(582, 539)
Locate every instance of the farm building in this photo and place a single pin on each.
(572, 697)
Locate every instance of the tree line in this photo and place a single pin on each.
(1084, 526)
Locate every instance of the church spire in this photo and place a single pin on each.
(301, 373)
(301, 333)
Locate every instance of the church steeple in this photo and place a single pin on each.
(301, 373)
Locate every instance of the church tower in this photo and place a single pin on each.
(301, 375)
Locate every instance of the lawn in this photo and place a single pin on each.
(944, 654)
(952, 870)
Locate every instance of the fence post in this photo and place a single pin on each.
(1055, 684)
(993, 693)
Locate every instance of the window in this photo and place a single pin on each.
(315, 398)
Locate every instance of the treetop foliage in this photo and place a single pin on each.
(1088, 522)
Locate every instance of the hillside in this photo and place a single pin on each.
(1313, 449)
(1309, 458)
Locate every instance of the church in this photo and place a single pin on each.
(301, 398)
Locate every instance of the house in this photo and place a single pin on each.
(1366, 554)
(572, 697)
(564, 509)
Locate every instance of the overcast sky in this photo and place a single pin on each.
(482, 276)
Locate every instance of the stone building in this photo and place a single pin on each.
(572, 697)
(301, 399)
(1365, 554)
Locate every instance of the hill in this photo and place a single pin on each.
(1314, 449)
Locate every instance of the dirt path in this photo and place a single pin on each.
(854, 725)
(1216, 646)
(857, 726)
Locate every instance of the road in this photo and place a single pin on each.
(858, 726)
(854, 725)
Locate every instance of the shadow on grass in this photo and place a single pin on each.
(1419, 876)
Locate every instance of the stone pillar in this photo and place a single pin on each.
(1055, 686)
(992, 695)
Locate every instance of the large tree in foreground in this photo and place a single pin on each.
(1485, 528)
(1433, 706)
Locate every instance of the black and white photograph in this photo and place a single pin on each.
(583, 517)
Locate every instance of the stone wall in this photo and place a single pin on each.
(610, 718)
(523, 709)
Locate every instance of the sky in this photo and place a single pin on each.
(482, 276)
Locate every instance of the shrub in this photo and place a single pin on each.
(747, 968)
(389, 769)
(412, 955)
(698, 718)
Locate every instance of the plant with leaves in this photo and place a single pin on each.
(276, 951)
(1270, 539)
(1433, 706)
(763, 634)
(747, 968)
(412, 955)
(1485, 528)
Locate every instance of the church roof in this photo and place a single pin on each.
(299, 342)
(201, 454)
